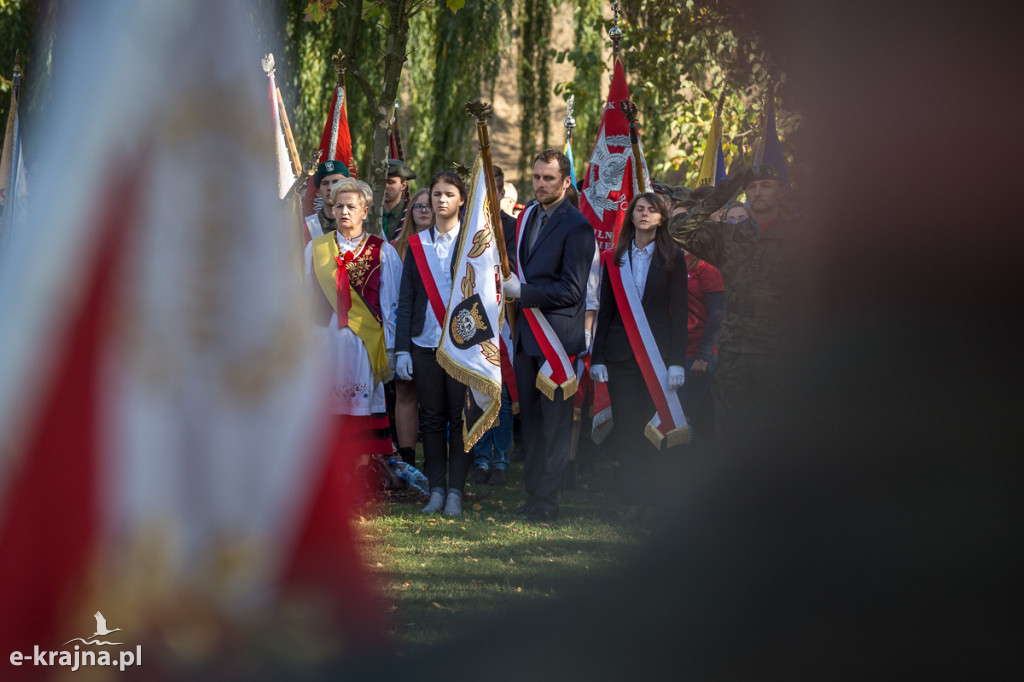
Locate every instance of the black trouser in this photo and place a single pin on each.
(632, 408)
(441, 401)
(547, 434)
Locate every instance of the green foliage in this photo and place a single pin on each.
(445, 71)
(533, 78)
(588, 30)
(679, 57)
(307, 77)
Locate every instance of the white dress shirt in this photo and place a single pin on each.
(640, 263)
(444, 247)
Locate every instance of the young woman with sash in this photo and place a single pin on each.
(418, 217)
(427, 276)
(640, 346)
(354, 277)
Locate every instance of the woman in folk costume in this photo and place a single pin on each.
(419, 217)
(427, 277)
(355, 277)
(640, 346)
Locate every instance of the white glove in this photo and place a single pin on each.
(676, 376)
(392, 362)
(404, 366)
(599, 373)
(511, 287)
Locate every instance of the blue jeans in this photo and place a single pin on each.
(498, 439)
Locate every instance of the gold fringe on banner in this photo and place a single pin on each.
(481, 383)
(669, 440)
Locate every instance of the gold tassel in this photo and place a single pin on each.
(546, 386)
(671, 439)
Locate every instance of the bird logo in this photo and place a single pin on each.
(101, 631)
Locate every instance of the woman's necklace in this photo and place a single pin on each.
(359, 246)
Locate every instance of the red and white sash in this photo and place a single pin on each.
(430, 271)
(668, 427)
(557, 371)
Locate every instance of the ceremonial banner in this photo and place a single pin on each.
(335, 145)
(770, 149)
(285, 174)
(469, 349)
(13, 188)
(710, 165)
(166, 458)
(610, 162)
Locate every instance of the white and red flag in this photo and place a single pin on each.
(470, 347)
(13, 183)
(602, 197)
(164, 458)
(285, 173)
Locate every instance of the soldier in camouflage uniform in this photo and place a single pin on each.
(753, 257)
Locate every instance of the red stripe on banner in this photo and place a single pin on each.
(49, 518)
(558, 374)
(436, 302)
(325, 558)
(642, 358)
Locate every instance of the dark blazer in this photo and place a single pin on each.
(556, 272)
(664, 304)
(413, 300)
(508, 231)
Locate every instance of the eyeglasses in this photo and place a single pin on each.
(420, 207)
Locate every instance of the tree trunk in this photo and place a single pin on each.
(382, 105)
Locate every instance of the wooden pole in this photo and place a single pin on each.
(288, 134)
(482, 111)
(630, 111)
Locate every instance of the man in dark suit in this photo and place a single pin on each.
(554, 252)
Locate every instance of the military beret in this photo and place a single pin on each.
(682, 194)
(326, 168)
(764, 171)
(397, 167)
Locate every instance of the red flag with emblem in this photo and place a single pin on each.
(610, 164)
(336, 129)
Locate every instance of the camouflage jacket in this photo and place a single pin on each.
(326, 224)
(756, 269)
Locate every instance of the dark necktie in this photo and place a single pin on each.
(538, 227)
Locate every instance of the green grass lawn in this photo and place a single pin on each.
(439, 572)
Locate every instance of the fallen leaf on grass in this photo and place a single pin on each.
(477, 506)
(444, 608)
(519, 589)
(491, 519)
